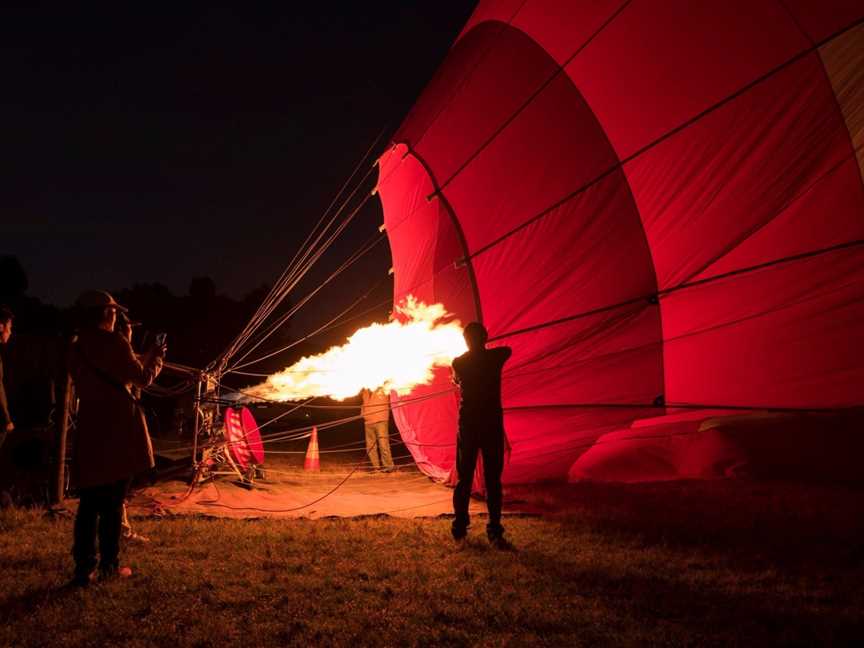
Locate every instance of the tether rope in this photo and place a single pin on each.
(295, 279)
(303, 259)
(235, 368)
(273, 297)
(367, 247)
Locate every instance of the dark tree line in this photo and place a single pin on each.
(199, 324)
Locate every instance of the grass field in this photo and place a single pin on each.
(667, 564)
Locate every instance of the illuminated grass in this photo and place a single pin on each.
(696, 564)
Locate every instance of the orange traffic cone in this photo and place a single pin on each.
(313, 462)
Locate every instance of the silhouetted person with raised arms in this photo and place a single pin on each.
(481, 429)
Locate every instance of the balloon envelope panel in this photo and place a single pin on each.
(657, 205)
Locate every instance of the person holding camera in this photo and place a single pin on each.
(112, 442)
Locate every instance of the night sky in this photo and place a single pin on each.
(156, 142)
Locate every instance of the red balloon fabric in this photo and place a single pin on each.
(658, 205)
(243, 438)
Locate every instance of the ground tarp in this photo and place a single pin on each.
(293, 493)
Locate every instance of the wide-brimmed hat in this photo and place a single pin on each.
(123, 318)
(98, 299)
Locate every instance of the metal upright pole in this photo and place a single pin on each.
(63, 395)
(197, 426)
(61, 431)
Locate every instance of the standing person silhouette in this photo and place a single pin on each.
(481, 429)
(112, 442)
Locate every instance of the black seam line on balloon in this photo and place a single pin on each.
(761, 266)
(570, 318)
(655, 297)
(559, 69)
(668, 135)
(827, 77)
(517, 371)
(842, 117)
(795, 22)
(673, 405)
(502, 26)
(753, 230)
(463, 243)
(629, 189)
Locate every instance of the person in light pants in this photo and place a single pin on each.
(376, 418)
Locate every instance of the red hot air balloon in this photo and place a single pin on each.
(658, 206)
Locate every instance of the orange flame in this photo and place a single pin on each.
(398, 355)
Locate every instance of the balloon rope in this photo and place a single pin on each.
(356, 256)
(327, 326)
(300, 272)
(300, 263)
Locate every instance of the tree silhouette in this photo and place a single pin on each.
(202, 289)
(13, 278)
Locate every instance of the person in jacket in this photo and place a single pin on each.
(112, 442)
(6, 424)
(376, 419)
(477, 372)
